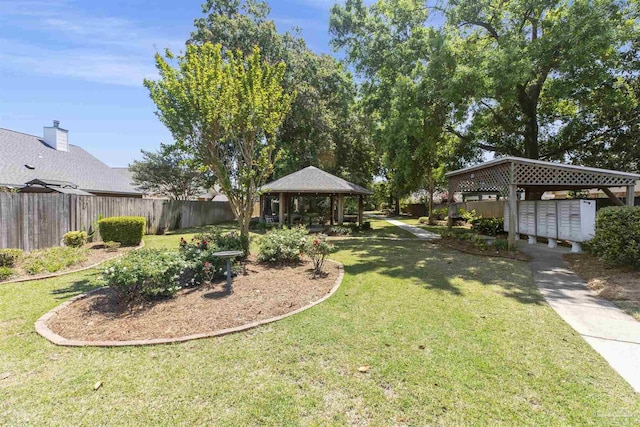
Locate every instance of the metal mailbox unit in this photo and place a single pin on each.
(571, 220)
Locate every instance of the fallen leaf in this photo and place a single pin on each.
(5, 375)
(97, 385)
(364, 368)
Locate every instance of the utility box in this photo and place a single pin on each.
(576, 220)
(547, 218)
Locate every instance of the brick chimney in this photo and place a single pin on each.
(56, 137)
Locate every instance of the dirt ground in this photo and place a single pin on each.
(619, 285)
(260, 292)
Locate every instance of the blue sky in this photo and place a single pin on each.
(83, 62)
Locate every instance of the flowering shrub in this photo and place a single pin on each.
(318, 248)
(146, 273)
(283, 245)
(201, 265)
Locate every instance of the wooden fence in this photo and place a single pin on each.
(485, 209)
(36, 220)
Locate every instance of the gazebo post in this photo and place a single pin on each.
(281, 210)
(513, 209)
(262, 208)
(360, 209)
(631, 195)
(340, 209)
(332, 198)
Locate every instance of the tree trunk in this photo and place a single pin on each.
(397, 207)
(430, 191)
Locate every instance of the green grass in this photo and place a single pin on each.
(451, 339)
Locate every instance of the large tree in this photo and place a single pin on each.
(227, 108)
(171, 172)
(326, 127)
(537, 73)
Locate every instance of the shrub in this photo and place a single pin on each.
(111, 246)
(501, 245)
(75, 239)
(5, 273)
(318, 249)
(230, 241)
(145, 273)
(468, 216)
(53, 259)
(423, 220)
(201, 265)
(439, 214)
(366, 226)
(617, 239)
(127, 230)
(9, 257)
(488, 226)
(339, 231)
(284, 245)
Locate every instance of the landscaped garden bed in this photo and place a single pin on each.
(57, 260)
(260, 292)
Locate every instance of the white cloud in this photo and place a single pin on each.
(103, 49)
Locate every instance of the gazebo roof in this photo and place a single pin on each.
(496, 176)
(312, 180)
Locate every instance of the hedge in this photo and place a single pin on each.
(617, 239)
(126, 230)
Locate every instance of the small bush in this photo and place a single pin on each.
(488, 226)
(111, 246)
(501, 245)
(201, 265)
(9, 257)
(53, 259)
(366, 226)
(127, 230)
(468, 216)
(617, 239)
(284, 245)
(75, 239)
(318, 249)
(439, 214)
(339, 231)
(423, 220)
(5, 273)
(145, 273)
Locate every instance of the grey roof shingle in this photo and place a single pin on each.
(313, 180)
(76, 165)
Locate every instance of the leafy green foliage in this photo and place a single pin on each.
(488, 226)
(423, 220)
(202, 265)
(126, 230)
(112, 246)
(617, 239)
(9, 257)
(75, 239)
(339, 231)
(145, 273)
(171, 172)
(53, 259)
(283, 245)
(501, 244)
(225, 107)
(318, 248)
(5, 272)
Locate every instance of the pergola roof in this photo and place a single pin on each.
(496, 176)
(312, 180)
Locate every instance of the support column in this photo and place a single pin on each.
(281, 210)
(262, 208)
(332, 208)
(449, 217)
(340, 209)
(513, 215)
(631, 195)
(360, 209)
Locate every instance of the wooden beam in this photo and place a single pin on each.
(332, 208)
(612, 196)
(340, 209)
(281, 210)
(262, 208)
(513, 209)
(360, 209)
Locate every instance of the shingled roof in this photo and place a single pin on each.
(312, 180)
(24, 158)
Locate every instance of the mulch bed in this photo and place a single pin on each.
(96, 254)
(619, 285)
(261, 292)
(469, 248)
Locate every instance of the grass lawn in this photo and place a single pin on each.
(451, 339)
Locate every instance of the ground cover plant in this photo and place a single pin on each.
(447, 341)
(52, 260)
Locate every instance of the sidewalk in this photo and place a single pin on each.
(416, 231)
(610, 331)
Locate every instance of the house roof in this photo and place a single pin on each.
(24, 158)
(312, 180)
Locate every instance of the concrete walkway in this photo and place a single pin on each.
(610, 331)
(416, 231)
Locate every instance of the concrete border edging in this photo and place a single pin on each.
(42, 327)
(64, 273)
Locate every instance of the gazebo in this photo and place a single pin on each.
(507, 175)
(312, 181)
